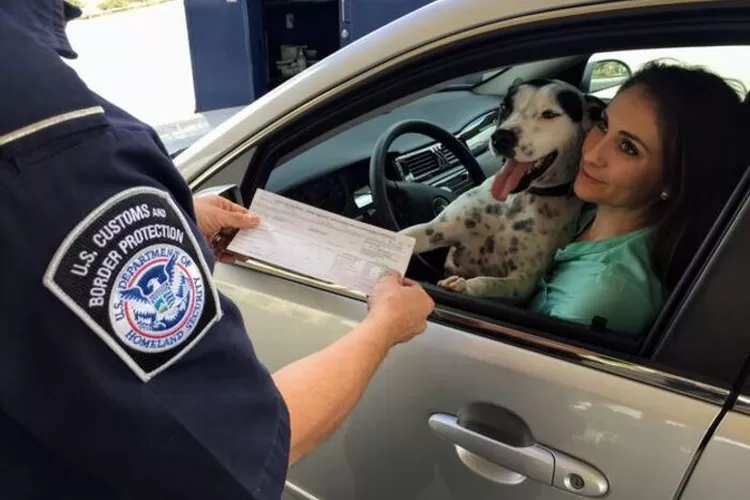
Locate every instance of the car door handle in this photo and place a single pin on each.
(511, 463)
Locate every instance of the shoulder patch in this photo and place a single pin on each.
(133, 271)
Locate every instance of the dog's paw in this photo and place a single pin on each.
(454, 283)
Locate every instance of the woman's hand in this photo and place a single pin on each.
(401, 305)
(219, 219)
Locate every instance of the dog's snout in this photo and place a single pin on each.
(503, 141)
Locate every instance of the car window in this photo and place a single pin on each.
(331, 171)
(729, 62)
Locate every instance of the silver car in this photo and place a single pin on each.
(493, 402)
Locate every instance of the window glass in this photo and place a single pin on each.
(729, 62)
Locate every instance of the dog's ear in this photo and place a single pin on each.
(514, 86)
(593, 107)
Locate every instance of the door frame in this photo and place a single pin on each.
(612, 26)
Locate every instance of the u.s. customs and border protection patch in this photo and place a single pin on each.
(133, 272)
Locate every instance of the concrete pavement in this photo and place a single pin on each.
(139, 60)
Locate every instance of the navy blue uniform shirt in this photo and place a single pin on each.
(124, 374)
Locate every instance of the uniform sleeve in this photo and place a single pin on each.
(119, 356)
(611, 296)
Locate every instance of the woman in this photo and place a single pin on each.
(658, 169)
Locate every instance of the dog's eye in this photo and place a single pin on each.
(548, 115)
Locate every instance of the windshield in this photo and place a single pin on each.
(474, 79)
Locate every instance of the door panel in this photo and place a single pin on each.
(722, 471)
(640, 437)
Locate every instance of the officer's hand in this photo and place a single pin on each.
(219, 219)
(401, 305)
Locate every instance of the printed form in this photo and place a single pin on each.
(321, 244)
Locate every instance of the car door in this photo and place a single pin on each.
(722, 469)
(554, 423)
(486, 408)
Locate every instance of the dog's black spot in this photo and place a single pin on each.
(429, 231)
(481, 250)
(511, 265)
(571, 103)
(513, 245)
(472, 261)
(489, 244)
(469, 223)
(516, 207)
(476, 215)
(546, 212)
(525, 225)
(437, 237)
(494, 209)
(458, 251)
(486, 226)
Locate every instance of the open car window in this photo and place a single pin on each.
(332, 171)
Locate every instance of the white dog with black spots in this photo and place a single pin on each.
(504, 233)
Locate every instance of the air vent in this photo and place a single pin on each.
(448, 155)
(459, 183)
(421, 165)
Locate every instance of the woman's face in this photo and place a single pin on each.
(621, 165)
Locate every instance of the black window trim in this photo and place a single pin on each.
(656, 26)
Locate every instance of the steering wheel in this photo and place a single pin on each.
(416, 202)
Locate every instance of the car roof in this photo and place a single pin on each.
(432, 22)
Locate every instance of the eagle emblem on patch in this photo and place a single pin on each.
(158, 298)
(133, 271)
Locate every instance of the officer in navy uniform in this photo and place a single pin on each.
(123, 372)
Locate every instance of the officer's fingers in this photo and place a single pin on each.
(233, 207)
(227, 258)
(239, 220)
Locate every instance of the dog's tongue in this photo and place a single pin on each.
(508, 178)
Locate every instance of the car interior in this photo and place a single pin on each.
(333, 171)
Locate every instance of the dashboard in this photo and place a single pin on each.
(334, 175)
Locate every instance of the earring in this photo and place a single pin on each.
(664, 195)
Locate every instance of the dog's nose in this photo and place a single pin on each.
(503, 141)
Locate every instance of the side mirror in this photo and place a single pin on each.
(606, 74)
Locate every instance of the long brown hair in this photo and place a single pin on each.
(702, 122)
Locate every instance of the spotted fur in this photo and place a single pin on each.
(503, 248)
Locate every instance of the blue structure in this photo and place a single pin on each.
(242, 48)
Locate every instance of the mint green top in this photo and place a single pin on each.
(610, 278)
